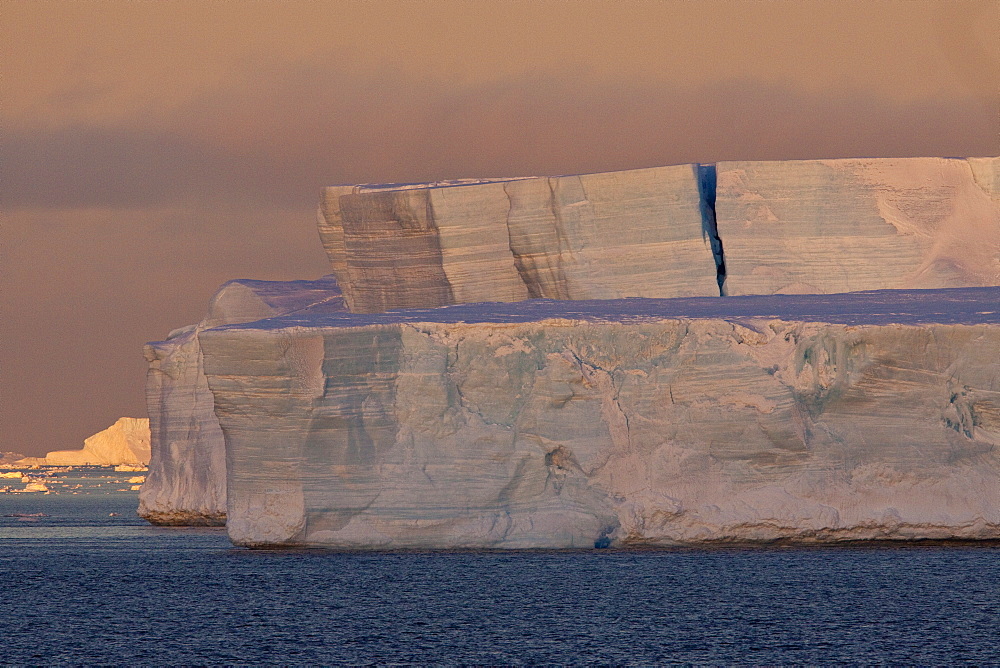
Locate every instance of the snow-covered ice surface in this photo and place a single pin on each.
(623, 422)
(187, 468)
(873, 307)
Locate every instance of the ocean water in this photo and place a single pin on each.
(88, 582)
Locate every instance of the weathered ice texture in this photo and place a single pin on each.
(638, 233)
(623, 422)
(124, 442)
(824, 226)
(418, 245)
(186, 484)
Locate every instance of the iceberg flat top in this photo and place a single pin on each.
(876, 307)
(475, 181)
(446, 183)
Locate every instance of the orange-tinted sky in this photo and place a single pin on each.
(152, 150)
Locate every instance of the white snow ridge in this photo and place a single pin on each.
(551, 363)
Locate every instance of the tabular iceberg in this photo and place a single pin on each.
(806, 226)
(126, 442)
(632, 422)
(186, 484)
(547, 423)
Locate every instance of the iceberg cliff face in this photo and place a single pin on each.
(186, 484)
(638, 233)
(809, 226)
(825, 226)
(625, 422)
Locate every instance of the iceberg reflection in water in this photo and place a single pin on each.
(89, 582)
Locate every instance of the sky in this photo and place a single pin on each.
(152, 150)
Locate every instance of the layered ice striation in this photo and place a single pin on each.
(825, 226)
(637, 233)
(549, 424)
(186, 484)
(809, 226)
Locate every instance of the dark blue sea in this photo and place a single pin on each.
(88, 582)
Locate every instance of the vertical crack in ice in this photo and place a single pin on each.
(707, 183)
(562, 243)
(522, 270)
(451, 375)
(436, 249)
(610, 400)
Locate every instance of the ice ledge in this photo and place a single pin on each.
(875, 307)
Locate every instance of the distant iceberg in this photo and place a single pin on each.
(126, 442)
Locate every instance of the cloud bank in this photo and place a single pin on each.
(276, 137)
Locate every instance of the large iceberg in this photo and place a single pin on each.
(621, 422)
(339, 424)
(186, 484)
(802, 226)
